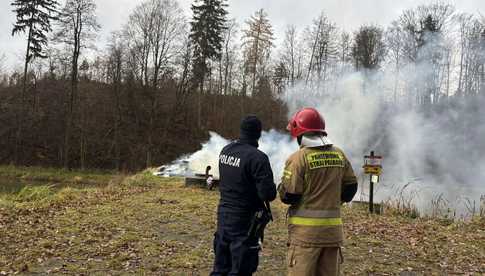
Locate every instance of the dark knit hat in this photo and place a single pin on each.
(251, 127)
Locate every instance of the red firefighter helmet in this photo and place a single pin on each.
(306, 120)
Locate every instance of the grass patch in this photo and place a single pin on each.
(55, 175)
(397, 209)
(34, 193)
(147, 225)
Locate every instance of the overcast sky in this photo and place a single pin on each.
(348, 14)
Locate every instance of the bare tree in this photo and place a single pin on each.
(292, 56)
(114, 64)
(155, 30)
(472, 41)
(425, 29)
(3, 75)
(77, 29)
(419, 22)
(394, 45)
(138, 32)
(227, 62)
(258, 42)
(344, 52)
(153, 34)
(184, 62)
(3, 61)
(322, 38)
(482, 56)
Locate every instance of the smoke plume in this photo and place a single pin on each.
(433, 146)
(276, 145)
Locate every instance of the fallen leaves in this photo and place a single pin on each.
(147, 225)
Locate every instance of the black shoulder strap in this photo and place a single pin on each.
(268, 209)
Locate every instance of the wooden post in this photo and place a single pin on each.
(482, 206)
(371, 190)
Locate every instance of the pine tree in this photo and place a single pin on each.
(207, 30)
(368, 48)
(34, 18)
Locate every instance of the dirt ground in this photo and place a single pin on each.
(155, 226)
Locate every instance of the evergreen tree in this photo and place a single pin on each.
(207, 30)
(368, 49)
(34, 18)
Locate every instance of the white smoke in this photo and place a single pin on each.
(420, 160)
(208, 155)
(421, 163)
(350, 116)
(276, 145)
(427, 157)
(433, 157)
(349, 112)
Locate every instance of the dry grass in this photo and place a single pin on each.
(147, 225)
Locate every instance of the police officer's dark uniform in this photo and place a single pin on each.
(246, 181)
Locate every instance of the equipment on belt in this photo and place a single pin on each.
(259, 221)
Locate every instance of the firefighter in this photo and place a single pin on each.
(246, 183)
(316, 180)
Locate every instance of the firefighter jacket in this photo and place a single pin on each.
(246, 178)
(313, 183)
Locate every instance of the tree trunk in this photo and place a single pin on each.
(199, 103)
(82, 136)
(312, 56)
(21, 113)
(396, 78)
(151, 130)
(256, 61)
(118, 119)
(72, 98)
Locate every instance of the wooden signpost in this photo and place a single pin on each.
(482, 206)
(372, 167)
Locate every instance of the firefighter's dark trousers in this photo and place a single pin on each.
(235, 253)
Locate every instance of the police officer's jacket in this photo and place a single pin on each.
(246, 178)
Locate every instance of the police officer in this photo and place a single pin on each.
(317, 179)
(246, 182)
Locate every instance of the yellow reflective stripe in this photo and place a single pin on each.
(315, 221)
(287, 174)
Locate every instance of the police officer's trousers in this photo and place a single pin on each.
(235, 253)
